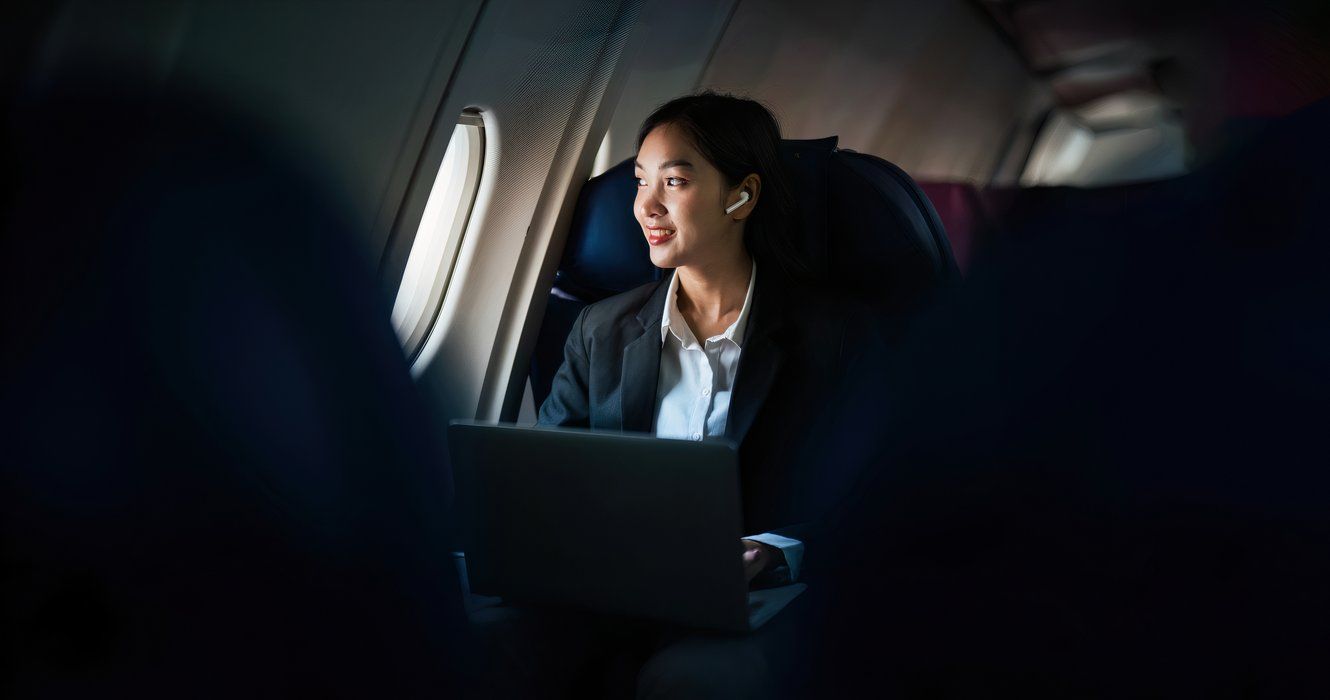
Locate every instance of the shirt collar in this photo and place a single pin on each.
(672, 321)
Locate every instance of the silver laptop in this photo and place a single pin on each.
(610, 522)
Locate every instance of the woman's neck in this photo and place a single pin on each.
(714, 293)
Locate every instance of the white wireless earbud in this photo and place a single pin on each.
(743, 198)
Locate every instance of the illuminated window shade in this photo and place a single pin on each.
(1059, 151)
(429, 266)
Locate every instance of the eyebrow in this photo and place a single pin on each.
(676, 163)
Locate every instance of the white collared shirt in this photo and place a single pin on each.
(695, 384)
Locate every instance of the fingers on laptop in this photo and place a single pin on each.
(755, 558)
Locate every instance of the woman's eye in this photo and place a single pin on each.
(670, 181)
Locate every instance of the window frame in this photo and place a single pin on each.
(420, 296)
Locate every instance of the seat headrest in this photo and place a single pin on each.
(605, 252)
(886, 242)
(958, 205)
(866, 228)
(806, 163)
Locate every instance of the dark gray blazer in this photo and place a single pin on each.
(807, 365)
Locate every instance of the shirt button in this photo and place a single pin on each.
(697, 436)
(706, 391)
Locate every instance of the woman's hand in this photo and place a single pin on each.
(759, 557)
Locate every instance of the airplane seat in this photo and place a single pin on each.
(962, 215)
(604, 254)
(219, 477)
(1018, 212)
(886, 244)
(866, 228)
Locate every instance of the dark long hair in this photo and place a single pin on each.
(739, 136)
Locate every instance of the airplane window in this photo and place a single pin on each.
(430, 263)
(1058, 153)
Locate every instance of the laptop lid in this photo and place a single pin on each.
(612, 522)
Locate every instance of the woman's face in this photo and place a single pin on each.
(680, 204)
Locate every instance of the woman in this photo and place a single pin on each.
(732, 343)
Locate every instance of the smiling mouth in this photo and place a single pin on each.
(659, 236)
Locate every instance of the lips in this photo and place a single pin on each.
(659, 236)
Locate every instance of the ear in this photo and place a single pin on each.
(752, 184)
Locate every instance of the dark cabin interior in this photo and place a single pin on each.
(257, 255)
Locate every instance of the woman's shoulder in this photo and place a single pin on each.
(622, 306)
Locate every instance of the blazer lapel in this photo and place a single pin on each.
(759, 362)
(641, 365)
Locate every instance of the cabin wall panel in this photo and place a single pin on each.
(929, 86)
(677, 41)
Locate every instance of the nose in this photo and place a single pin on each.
(648, 206)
